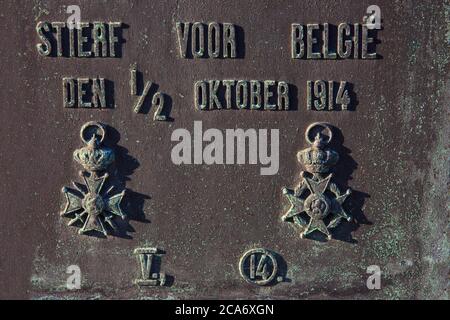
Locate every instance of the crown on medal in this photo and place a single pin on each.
(318, 158)
(93, 157)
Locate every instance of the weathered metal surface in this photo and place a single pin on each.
(392, 143)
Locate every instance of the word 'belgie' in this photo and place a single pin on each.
(350, 39)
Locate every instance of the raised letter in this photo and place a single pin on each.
(241, 94)
(228, 84)
(283, 95)
(68, 93)
(58, 27)
(311, 41)
(82, 40)
(183, 35)
(213, 40)
(229, 41)
(112, 38)
(268, 94)
(365, 41)
(81, 92)
(200, 95)
(198, 40)
(255, 94)
(356, 41)
(99, 36)
(326, 38)
(297, 44)
(213, 99)
(344, 49)
(44, 48)
(98, 93)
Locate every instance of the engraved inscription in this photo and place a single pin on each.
(241, 94)
(313, 41)
(149, 277)
(207, 40)
(259, 266)
(157, 99)
(84, 92)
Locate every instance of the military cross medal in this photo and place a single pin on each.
(316, 203)
(148, 276)
(88, 204)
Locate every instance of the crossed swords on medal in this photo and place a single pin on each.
(312, 196)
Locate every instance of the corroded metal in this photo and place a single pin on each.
(89, 205)
(312, 208)
(258, 266)
(145, 257)
(393, 147)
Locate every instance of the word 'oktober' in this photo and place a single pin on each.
(241, 94)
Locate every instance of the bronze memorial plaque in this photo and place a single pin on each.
(224, 149)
